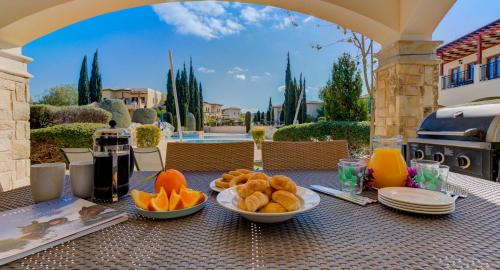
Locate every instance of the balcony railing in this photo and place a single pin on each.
(490, 71)
(458, 79)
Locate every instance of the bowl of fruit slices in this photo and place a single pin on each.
(172, 198)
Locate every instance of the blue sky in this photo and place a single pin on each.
(238, 50)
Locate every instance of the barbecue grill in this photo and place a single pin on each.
(466, 138)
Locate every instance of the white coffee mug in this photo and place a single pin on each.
(81, 175)
(47, 181)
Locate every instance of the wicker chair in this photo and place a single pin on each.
(209, 156)
(303, 155)
(76, 155)
(148, 159)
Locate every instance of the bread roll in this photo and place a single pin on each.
(287, 199)
(258, 176)
(281, 182)
(272, 207)
(256, 201)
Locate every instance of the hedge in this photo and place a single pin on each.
(148, 136)
(46, 142)
(144, 116)
(356, 133)
(82, 114)
(119, 112)
(42, 116)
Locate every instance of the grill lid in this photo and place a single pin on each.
(472, 122)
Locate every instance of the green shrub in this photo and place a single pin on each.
(356, 133)
(46, 142)
(81, 114)
(169, 118)
(191, 122)
(144, 116)
(118, 110)
(148, 136)
(248, 121)
(42, 116)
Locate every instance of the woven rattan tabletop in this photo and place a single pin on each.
(337, 234)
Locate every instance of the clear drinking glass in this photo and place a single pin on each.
(351, 173)
(443, 175)
(428, 176)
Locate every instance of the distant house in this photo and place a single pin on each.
(470, 67)
(136, 97)
(312, 107)
(212, 110)
(231, 113)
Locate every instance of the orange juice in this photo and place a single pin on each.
(389, 167)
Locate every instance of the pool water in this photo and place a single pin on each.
(212, 138)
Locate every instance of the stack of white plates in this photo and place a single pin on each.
(416, 200)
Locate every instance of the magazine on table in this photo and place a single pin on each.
(34, 228)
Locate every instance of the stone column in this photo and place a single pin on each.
(14, 119)
(407, 87)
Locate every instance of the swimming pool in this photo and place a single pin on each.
(211, 138)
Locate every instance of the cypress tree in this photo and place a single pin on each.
(180, 96)
(202, 117)
(95, 86)
(197, 111)
(186, 95)
(304, 102)
(288, 90)
(191, 87)
(270, 112)
(263, 117)
(170, 103)
(83, 84)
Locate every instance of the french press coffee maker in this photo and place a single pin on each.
(113, 163)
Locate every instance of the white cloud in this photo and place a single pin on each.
(207, 7)
(255, 77)
(308, 19)
(281, 89)
(213, 20)
(251, 15)
(283, 23)
(236, 70)
(206, 70)
(240, 77)
(208, 20)
(267, 74)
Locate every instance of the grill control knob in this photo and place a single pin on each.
(439, 157)
(463, 161)
(419, 154)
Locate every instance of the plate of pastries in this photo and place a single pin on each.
(231, 178)
(265, 199)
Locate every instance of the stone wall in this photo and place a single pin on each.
(14, 131)
(14, 119)
(407, 87)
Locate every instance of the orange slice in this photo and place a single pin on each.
(141, 198)
(175, 201)
(190, 197)
(160, 202)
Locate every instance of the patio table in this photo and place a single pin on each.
(336, 234)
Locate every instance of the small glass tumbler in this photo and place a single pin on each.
(413, 163)
(428, 176)
(351, 173)
(443, 175)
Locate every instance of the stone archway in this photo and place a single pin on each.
(406, 77)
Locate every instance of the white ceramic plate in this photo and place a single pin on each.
(214, 187)
(228, 199)
(417, 210)
(416, 196)
(172, 214)
(417, 206)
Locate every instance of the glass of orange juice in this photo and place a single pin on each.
(387, 162)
